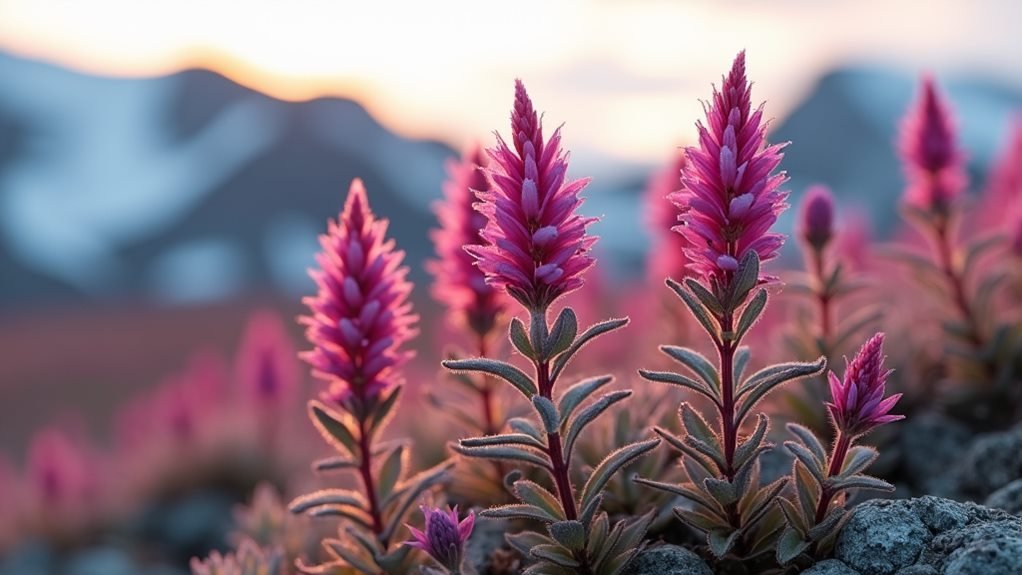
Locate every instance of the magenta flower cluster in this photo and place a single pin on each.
(816, 218)
(444, 536)
(857, 403)
(934, 165)
(537, 246)
(730, 196)
(360, 317)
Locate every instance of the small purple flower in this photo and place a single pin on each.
(934, 165)
(266, 366)
(460, 284)
(667, 258)
(858, 403)
(816, 217)
(537, 246)
(444, 538)
(730, 196)
(360, 316)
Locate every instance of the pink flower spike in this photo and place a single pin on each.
(444, 536)
(537, 247)
(858, 404)
(459, 283)
(816, 217)
(730, 195)
(934, 165)
(357, 342)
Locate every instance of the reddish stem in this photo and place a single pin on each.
(837, 461)
(726, 351)
(955, 281)
(822, 294)
(554, 449)
(366, 471)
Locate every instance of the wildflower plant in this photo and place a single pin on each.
(730, 198)
(249, 559)
(537, 249)
(444, 536)
(816, 511)
(359, 321)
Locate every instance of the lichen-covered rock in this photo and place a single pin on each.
(929, 445)
(991, 462)
(668, 560)
(830, 567)
(881, 537)
(930, 536)
(1007, 498)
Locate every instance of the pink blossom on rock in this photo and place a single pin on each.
(934, 165)
(816, 217)
(444, 536)
(857, 403)
(667, 256)
(537, 247)
(730, 195)
(459, 283)
(360, 316)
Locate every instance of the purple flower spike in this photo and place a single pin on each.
(266, 365)
(730, 196)
(537, 244)
(445, 537)
(816, 217)
(460, 284)
(360, 316)
(859, 404)
(934, 165)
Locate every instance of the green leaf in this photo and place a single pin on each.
(698, 520)
(745, 278)
(697, 427)
(519, 511)
(692, 455)
(829, 525)
(588, 415)
(721, 540)
(859, 458)
(751, 313)
(522, 439)
(813, 465)
(526, 540)
(745, 451)
(520, 339)
(610, 465)
(697, 309)
(333, 464)
(341, 497)
(390, 472)
(409, 491)
(681, 381)
(705, 296)
(790, 545)
(721, 490)
(505, 371)
(350, 555)
(522, 425)
(742, 356)
(807, 490)
(760, 383)
(384, 409)
(505, 452)
(861, 482)
(570, 534)
(332, 427)
(808, 439)
(576, 394)
(588, 335)
(695, 361)
(629, 542)
(762, 500)
(793, 516)
(538, 332)
(599, 530)
(695, 496)
(555, 554)
(547, 413)
(532, 493)
(563, 333)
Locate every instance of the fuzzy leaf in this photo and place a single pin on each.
(522, 425)
(861, 482)
(793, 516)
(806, 489)
(546, 568)
(555, 554)
(389, 473)
(695, 361)
(790, 545)
(522, 439)
(747, 450)
(721, 490)
(698, 520)
(760, 383)
(681, 381)
(526, 540)
(588, 335)
(629, 542)
(751, 313)
(721, 540)
(808, 439)
(710, 451)
(547, 413)
(697, 427)
(705, 463)
(562, 334)
(599, 530)
(576, 394)
(859, 458)
(409, 491)
(535, 494)
(813, 465)
(760, 502)
(570, 534)
(697, 309)
(343, 497)
(705, 296)
(519, 511)
(331, 426)
(696, 496)
(505, 371)
(745, 278)
(610, 465)
(384, 409)
(520, 339)
(829, 524)
(742, 356)
(356, 516)
(505, 452)
(588, 415)
(352, 556)
(333, 463)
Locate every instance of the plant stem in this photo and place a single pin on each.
(490, 426)
(726, 351)
(554, 449)
(837, 461)
(823, 295)
(955, 281)
(366, 471)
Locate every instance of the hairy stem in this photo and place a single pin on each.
(837, 461)
(366, 471)
(554, 449)
(726, 351)
(955, 281)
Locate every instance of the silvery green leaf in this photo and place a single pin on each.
(588, 415)
(699, 520)
(505, 371)
(858, 459)
(747, 450)
(599, 530)
(763, 381)
(761, 501)
(721, 490)
(696, 426)
(695, 361)
(520, 339)
(742, 356)
(790, 545)
(519, 511)
(705, 296)
(345, 497)
(384, 409)
(547, 413)
(751, 314)
(696, 496)
(535, 494)
(696, 307)
(390, 471)
(562, 335)
(522, 425)
(555, 554)
(829, 524)
(692, 455)
(351, 555)
(618, 459)
(813, 465)
(356, 516)
(409, 491)
(681, 381)
(505, 452)
(570, 534)
(526, 540)
(807, 489)
(745, 278)
(808, 439)
(588, 335)
(793, 516)
(331, 426)
(721, 540)
(589, 510)
(861, 482)
(576, 394)
(334, 463)
(522, 439)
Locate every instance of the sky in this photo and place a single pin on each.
(624, 76)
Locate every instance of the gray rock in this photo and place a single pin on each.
(930, 445)
(668, 560)
(1008, 498)
(917, 570)
(992, 461)
(830, 567)
(881, 537)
